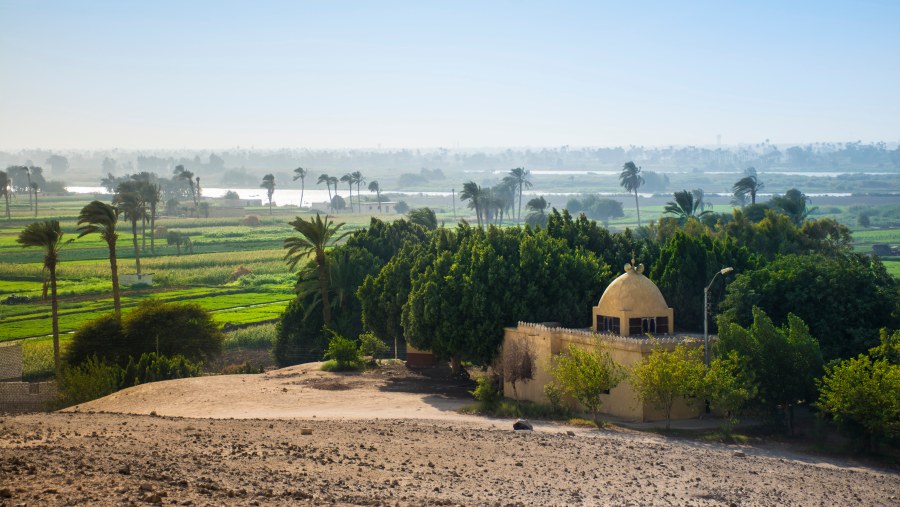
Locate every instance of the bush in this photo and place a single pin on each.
(401, 207)
(555, 394)
(241, 369)
(370, 345)
(153, 368)
(168, 329)
(488, 390)
(251, 221)
(666, 376)
(343, 351)
(299, 335)
(172, 329)
(92, 379)
(585, 375)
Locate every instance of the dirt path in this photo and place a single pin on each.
(386, 438)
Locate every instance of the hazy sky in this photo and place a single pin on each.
(329, 74)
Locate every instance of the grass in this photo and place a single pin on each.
(255, 337)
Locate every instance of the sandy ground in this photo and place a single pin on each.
(386, 438)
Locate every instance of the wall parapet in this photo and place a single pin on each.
(611, 337)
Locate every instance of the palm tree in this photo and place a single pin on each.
(749, 184)
(47, 235)
(5, 189)
(152, 195)
(359, 179)
(268, 183)
(631, 180)
(373, 187)
(27, 172)
(182, 174)
(685, 206)
(99, 217)
(300, 174)
(348, 178)
(700, 201)
(519, 178)
(130, 203)
(315, 235)
(537, 208)
(324, 178)
(474, 194)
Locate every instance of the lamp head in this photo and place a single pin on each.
(726, 270)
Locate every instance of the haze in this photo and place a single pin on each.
(321, 75)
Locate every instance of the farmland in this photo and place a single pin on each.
(205, 274)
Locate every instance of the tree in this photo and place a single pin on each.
(667, 375)
(182, 174)
(151, 195)
(58, 164)
(359, 179)
(537, 216)
(47, 235)
(631, 180)
(519, 364)
(519, 179)
(315, 235)
(424, 217)
(685, 206)
(863, 393)
(175, 238)
(348, 179)
(300, 174)
(373, 187)
(792, 204)
(729, 385)
(34, 190)
(268, 183)
(605, 209)
(324, 178)
(749, 184)
(585, 375)
(474, 194)
(5, 190)
(101, 218)
(131, 204)
(817, 288)
(784, 361)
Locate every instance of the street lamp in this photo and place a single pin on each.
(722, 272)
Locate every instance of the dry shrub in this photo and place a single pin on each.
(239, 272)
(251, 221)
(518, 363)
(161, 232)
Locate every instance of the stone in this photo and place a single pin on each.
(570, 433)
(739, 454)
(523, 425)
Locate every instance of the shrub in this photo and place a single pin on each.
(168, 329)
(172, 329)
(299, 335)
(370, 345)
(666, 376)
(401, 207)
(585, 375)
(253, 337)
(251, 221)
(488, 390)
(342, 351)
(518, 363)
(92, 379)
(153, 368)
(241, 369)
(555, 394)
(102, 337)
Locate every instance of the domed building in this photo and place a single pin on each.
(632, 305)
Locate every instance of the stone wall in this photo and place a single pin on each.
(547, 342)
(10, 361)
(26, 396)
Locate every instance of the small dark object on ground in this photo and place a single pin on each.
(523, 425)
(16, 300)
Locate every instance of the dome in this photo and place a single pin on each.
(634, 293)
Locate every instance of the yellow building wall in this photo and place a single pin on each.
(547, 342)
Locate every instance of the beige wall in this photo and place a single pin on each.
(547, 342)
(26, 396)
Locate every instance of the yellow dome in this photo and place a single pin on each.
(634, 293)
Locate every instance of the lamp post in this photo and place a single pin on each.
(722, 272)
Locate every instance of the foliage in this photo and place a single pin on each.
(863, 393)
(816, 289)
(631, 180)
(244, 368)
(685, 267)
(729, 385)
(488, 389)
(343, 351)
(94, 378)
(47, 235)
(151, 367)
(153, 326)
(666, 375)
(424, 217)
(370, 345)
(519, 363)
(315, 235)
(585, 375)
(783, 361)
(555, 393)
(300, 336)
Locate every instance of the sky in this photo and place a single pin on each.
(451, 74)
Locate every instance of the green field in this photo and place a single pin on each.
(221, 245)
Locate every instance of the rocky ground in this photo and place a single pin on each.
(78, 458)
